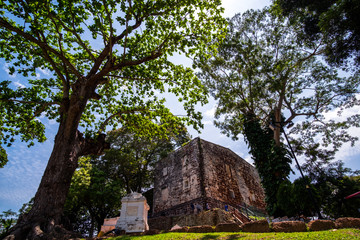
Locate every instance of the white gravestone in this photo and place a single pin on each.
(134, 213)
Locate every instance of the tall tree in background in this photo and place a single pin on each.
(131, 158)
(335, 22)
(93, 196)
(100, 182)
(105, 61)
(334, 182)
(263, 75)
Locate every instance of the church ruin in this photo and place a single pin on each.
(204, 175)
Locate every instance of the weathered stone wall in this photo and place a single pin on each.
(177, 180)
(206, 174)
(213, 217)
(229, 178)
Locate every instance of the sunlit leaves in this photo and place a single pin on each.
(262, 66)
(126, 43)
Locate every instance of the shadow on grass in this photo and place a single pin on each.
(229, 237)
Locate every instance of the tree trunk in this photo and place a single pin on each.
(44, 217)
(277, 131)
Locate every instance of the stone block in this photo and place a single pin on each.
(289, 226)
(256, 227)
(182, 229)
(201, 229)
(227, 227)
(321, 225)
(347, 222)
(134, 214)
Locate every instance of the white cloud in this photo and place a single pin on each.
(208, 122)
(45, 72)
(334, 114)
(210, 113)
(233, 7)
(18, 84)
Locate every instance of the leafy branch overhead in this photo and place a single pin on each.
(95, 65)
(93, 52)
(263, 69)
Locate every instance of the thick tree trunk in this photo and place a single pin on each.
(51, 195)
(42, 222)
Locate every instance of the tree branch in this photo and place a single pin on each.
(43, 45)
(43, 105)
(118, 114)
(152, 56)
(79, 40)
(142, 79)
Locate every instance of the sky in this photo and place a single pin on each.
(20, 178)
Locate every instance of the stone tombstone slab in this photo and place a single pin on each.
(134, 214)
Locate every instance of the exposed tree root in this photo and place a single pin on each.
(35, 232)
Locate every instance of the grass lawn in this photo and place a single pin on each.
(328, 235)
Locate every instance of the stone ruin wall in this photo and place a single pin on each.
(177, 181)
(204, 173)
(231, 179)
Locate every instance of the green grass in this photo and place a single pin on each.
(328, 235)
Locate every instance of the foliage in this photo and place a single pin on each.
(271, 161)
(333, 183)
(26, 207)
(335, 22)
(131, 157)
(7, 220)
(294, 199)
(3, 157)
(94, 66)
(262, 69)
(285, 199)
(93, 196)
(263, 72)
(330, 234)
(329, 183)
(123, 45)
(99, 183)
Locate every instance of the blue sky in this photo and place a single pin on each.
(20, 178)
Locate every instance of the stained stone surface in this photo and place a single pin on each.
(134, 214)
(205, 174)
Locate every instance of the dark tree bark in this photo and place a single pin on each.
(69, 145)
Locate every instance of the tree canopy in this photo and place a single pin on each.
(335, 22)
(264, 75)
(104, 63)
(262, 69)
(122, 48)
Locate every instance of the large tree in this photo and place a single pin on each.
(335, 22)
(263, 75)
(106, 61)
